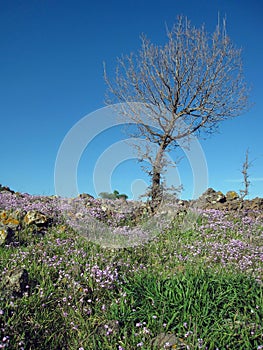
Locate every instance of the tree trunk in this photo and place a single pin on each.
(156, 192)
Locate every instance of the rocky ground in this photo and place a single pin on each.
(23, 216)
(35, 214)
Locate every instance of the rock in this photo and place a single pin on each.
(234, 205)
(232, 195)
(15, 282)
(6, 234)
(86, 196)
(11, 219)
(255, 204)
(168, 341)
(10, 223)
(34, 217)
(6, 189)
(220, 197)
(123, 209)
(210, 198)
(17, 224)
(210, 192)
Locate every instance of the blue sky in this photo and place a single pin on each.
(51, 69)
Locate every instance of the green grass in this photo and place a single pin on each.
(83, 296)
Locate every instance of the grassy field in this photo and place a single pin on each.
(199, 288)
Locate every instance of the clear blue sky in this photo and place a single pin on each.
(51, 69)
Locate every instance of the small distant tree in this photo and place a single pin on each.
(246, 165)
(119, 195)
(187, 87)
(114, 195)
(107, 195)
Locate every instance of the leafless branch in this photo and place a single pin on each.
(187, 86)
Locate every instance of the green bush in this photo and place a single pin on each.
(114, 195)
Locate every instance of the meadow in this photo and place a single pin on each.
(195, 288)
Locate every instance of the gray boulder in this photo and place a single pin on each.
(15, 282)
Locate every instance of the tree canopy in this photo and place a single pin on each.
(186, 86)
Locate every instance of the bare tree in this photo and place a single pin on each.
(187, 86)
(246, 165)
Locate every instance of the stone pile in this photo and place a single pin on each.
(131, 210)
(231, 201)
(15, 220)
(12, 222)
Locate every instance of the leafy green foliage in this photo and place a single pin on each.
(114, 195)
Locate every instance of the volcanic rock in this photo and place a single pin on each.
(15, 282)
